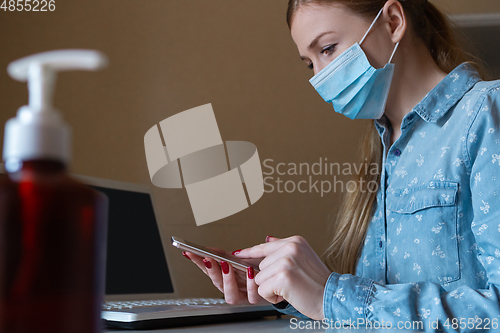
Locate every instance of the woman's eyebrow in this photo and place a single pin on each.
(315, 40)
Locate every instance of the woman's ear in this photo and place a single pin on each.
(395, 20)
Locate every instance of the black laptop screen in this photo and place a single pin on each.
(135, 261)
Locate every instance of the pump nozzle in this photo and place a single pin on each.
(38, 131)
(40, 71)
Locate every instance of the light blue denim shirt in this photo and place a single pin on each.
(432, 250)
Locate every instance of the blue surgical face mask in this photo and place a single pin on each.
(354, 87)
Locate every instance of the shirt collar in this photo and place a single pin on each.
(444, 96)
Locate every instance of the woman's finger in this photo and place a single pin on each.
(269, 291)
(214, 273)
(272, 245)
(293, 248)
(196, 259)
(275, 250)
(252, 288)
(271, 239)
(272, 282)
(261, 250)
(232, 293)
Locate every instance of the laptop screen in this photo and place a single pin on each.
(136, 262)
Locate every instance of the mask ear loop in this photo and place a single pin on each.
(371, 26)
(393, 52)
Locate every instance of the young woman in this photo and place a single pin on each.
(426, 246)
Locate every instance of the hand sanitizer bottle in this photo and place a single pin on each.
(52, 228)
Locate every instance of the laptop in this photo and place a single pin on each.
(140, 288)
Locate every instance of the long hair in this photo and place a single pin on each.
(356, 210)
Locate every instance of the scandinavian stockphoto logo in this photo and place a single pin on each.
(194, 157)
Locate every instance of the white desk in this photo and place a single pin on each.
(265, 325)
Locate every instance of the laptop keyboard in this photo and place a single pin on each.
(168, 302)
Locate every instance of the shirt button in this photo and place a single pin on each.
(397, 152)
(380, 244)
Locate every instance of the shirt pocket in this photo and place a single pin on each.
(423, 222)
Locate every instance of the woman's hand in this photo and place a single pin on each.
(238, 287)
(290, 270)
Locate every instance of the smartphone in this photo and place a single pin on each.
(202, 251)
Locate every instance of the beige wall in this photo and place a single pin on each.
(468, 6)
(167, 56)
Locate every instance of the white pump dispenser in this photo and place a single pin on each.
(38, 131)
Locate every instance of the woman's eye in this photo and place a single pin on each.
(329, 49)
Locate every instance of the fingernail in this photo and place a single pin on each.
(268, 238)
(207, 263)
(185, 255)
(236, 252)
(225, 267)
(251, 273)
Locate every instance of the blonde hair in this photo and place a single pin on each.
(356, 210)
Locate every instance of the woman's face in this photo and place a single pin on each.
(323, 32)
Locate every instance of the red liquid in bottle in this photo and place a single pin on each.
(52, 250)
